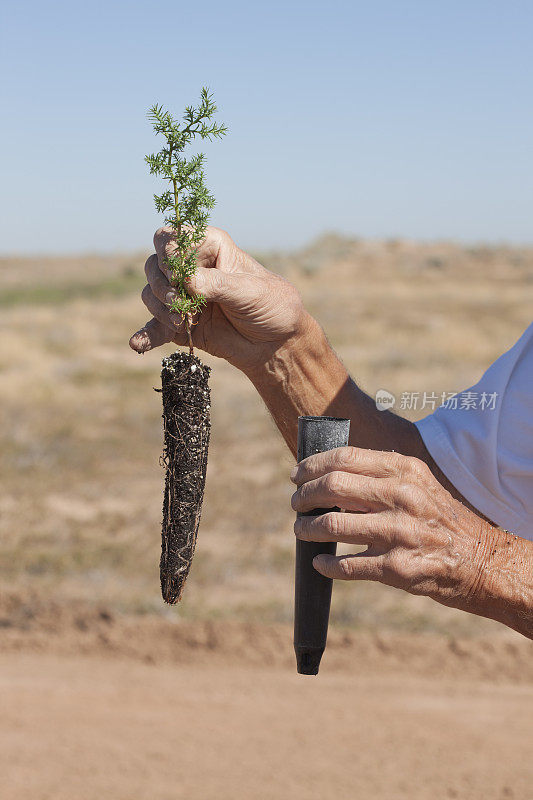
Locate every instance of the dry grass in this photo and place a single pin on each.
(80, 483)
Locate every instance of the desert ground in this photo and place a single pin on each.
(106, 692)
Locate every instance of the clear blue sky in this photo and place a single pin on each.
(372, 118)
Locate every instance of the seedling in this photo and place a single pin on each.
(186, 203)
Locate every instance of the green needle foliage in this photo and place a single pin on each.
(187, 202)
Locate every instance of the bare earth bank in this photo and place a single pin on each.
(95, 705)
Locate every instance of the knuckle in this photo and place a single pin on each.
(149, 264)
(414, 499)
(302, 476)
(406, 570)
(294, 475)
(292, 293)
(296, 499)
(146, 294)
(163, 233)
(416, 572)
(397, 462)
(392, 491)
(284, 292)
(392, 568)
(335, 482)
(417, 468)
(294, 301)
(330, 523)
(346, 456)
(403, 570)
(217, 235)
(346, 567)
(404, 493)
(329, 482)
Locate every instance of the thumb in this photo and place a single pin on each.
(232, 289)
(351, 567)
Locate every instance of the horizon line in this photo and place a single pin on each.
(353, 237)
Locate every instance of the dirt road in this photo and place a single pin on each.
(92, 727)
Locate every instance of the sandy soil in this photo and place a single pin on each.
(93, 727)
(97, 705)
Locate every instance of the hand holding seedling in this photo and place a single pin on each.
(249, 311)
(246, 311)
(186, 201)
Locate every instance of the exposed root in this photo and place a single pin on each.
(186, 407)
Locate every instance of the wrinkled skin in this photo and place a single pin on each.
(249, 313)
(419, 537)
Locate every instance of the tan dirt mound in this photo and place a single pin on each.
(53, 627)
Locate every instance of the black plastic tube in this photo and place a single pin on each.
(312, 598)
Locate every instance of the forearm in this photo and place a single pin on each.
(503, 589)
(304, 377)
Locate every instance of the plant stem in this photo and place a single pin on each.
(189, 198)
(177, 213)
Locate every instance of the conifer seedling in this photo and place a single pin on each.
(186, 203)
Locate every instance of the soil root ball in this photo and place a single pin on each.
(186, 407)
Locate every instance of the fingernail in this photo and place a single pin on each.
(170, 297)
(297, 525)
(294, 472)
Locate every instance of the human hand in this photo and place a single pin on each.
(250, 311)
(418, 537)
